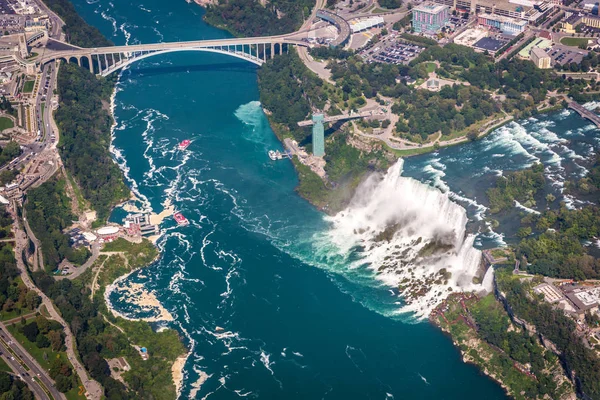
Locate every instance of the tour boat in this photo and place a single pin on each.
(184, 144)
(275, 155)
(180, 219)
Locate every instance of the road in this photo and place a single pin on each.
(81, 269)
(36, 373)
(92, 387)
(57, 23)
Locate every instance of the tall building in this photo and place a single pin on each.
(318, 135)
(540, 58)
(507, 25)
(430, 17)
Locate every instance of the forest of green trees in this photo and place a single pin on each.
(518, 345)
(9, 152)
(554, 325)
(77, 30)
(517, 185)
(84, 121)
(289, 91)
(13, 388)
(15, 298)
(49, 213)
(250, 18)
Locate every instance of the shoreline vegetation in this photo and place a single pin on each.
(86, 121)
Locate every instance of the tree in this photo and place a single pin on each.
(32, 300)
(42, 341)
(43, 324)
(63, 383)
(31, 331)
(56, 340)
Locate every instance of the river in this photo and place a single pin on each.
(265, 311)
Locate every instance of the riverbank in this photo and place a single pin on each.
(461, 317)
(100, 94)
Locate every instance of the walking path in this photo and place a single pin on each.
(93, 388)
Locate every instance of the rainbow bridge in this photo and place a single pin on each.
(106, 60)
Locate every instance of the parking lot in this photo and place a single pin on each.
(564, 55)
(5, 8)
(589, 30)
(392, 52)
(11, 23)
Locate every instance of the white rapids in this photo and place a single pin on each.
(413, 236)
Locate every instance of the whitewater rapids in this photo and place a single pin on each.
(412, 236)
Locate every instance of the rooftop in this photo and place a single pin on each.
(431, 8)
(539, 53)
(489, 44)
(502, 18)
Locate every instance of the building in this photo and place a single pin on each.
(36, 24)
(507, 25)
(540, 58)
(488, 44)
(430, 17)
(531, 11)
(585, 299)
(591, 20)
(318, 135)
(364, 24)
(570, 23)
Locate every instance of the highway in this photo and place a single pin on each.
(17, 356)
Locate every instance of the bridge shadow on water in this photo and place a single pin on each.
(143, 70)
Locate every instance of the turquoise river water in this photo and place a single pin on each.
(299, 319)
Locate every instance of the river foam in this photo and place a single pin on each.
(411, 235)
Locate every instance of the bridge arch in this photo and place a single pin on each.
(134, 58)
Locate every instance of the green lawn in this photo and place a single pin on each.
(430, 67)
(28, 86)
(574, 41)
(6, 123)
(35, 351)
(4, 366)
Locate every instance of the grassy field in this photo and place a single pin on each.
(28, 86)
(4, 366)
(6, 123)
(430, 67)
(574, 41)
(36, 352)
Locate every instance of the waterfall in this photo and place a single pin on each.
(411, 235)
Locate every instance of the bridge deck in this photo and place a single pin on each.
(584, 112)
(341, 117)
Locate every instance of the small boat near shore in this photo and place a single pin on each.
(184, 144)
(277, 155)
(180, 219)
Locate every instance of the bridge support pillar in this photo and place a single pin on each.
(91, 62)
(105, 61)
(112, 56)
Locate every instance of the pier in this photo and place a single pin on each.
(585, 113)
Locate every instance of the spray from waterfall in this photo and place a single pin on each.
(412, 236)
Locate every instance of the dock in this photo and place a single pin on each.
(585, 113)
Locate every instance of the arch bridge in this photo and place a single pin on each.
(106, 60)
